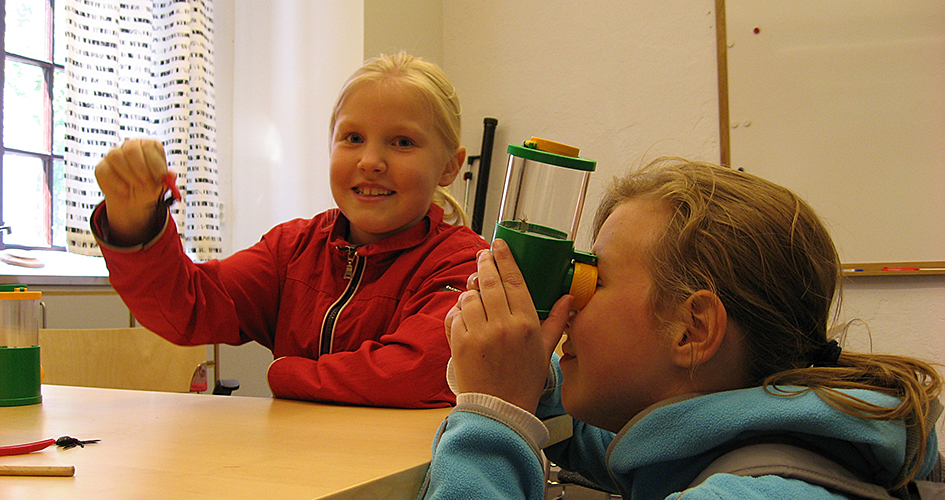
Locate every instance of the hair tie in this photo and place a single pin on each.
(827, 355)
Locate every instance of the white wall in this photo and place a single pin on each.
(617, 79)
(621, 80)
(279, 66)
(896, 315)
(414, 26)
(290, 59)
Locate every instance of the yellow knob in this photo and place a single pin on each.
(583, 284)
(553, 147)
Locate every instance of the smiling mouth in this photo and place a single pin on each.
(373, 191)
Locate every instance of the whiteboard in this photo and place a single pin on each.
(844, 102)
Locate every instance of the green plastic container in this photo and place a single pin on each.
(542, 201)
(20, 372)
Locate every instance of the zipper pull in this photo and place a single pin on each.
(352, 253)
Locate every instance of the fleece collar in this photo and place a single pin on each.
(674, 440)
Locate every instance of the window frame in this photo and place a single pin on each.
(48, 158)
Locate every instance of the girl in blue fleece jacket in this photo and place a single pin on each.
(708, 328)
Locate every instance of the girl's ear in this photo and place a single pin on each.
(455, 163)
(704, 322)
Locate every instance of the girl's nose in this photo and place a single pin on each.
(372, 160)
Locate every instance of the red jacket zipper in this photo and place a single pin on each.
(353, 272)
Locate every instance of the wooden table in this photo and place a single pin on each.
(167, 446)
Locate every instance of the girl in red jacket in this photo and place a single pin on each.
(352, 301)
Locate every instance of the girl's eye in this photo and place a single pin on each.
(354, 138)
(404, 142)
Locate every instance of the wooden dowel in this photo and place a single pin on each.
(37, 470)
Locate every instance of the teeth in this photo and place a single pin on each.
(372, 191)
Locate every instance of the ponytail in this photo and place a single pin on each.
(915, 383)
(453, 212)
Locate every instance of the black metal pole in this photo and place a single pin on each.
(482, 180)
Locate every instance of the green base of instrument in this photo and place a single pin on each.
(20, 377)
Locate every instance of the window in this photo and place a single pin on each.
(32, 184)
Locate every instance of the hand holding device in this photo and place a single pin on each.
(498, 345)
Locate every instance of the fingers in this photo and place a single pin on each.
(137, 163)
(491, 286)
(453, 320)
(134, 167)
(503, 291)
(501, 282)
(471, 308)
(455, 315)
(145, 160)
(154, 158)
(472, 282)
(518, 299)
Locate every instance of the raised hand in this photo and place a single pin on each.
(131, 177)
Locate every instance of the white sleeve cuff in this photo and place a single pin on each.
(551, 382)
(522, 421)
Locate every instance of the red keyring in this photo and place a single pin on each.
(22, 449)
(170, 182)
(65, 442)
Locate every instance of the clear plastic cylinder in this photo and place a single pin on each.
(543, 193)
(19, 318)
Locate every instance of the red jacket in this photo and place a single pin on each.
(373, 338)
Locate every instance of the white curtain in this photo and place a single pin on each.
(142, 68)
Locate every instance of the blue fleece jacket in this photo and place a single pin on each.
(486, 449)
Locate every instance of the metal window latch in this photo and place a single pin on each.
(8, 229)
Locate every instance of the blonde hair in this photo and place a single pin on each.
(433, 86)
(769, 258)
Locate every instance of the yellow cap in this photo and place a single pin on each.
(20, 294)
(553, 147)
(583, 284)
